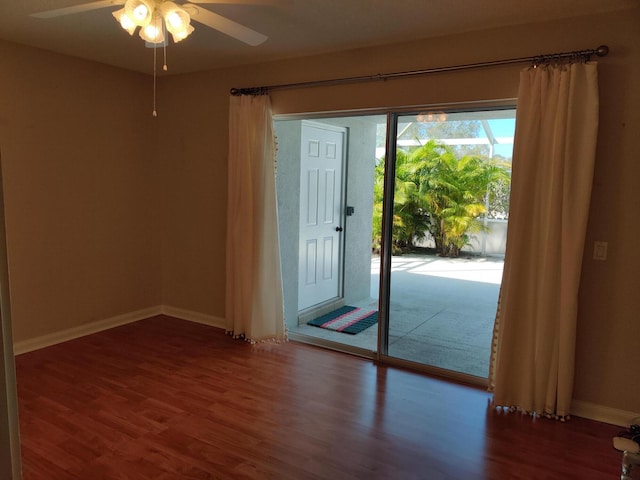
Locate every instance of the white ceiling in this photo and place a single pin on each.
(294, 27)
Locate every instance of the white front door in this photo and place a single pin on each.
(321, 214)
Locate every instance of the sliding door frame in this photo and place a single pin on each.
(386, 250)
(392, 114)
(384, 298)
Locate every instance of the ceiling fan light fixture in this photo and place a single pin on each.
(140, 11)
(157, 17)
(125, 21)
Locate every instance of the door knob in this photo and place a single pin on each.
(338, 229)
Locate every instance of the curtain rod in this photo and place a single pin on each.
(585, 55)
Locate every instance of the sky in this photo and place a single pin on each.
(503, 128)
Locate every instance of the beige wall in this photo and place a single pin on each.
(81, 189)
(608, 332)
(108, 212)
(193, 136)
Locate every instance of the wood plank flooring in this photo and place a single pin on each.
(167, 399)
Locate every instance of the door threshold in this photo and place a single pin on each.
(331, 345)
(432, 370)
(318, 310)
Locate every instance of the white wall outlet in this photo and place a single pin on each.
(600, 250)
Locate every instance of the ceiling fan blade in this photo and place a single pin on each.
(84, 7)
(226, 26)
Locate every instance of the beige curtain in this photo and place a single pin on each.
(254, 302)
(532, 362)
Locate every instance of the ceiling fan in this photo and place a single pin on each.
(149, 15)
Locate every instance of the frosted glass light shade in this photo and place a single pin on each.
(154, 31)
(181, 35)
(177, 20)
(140, 11)
(125, 21)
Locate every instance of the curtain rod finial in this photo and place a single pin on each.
(602, 51)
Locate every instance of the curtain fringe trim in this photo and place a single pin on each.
(531, 413)
(253, 341)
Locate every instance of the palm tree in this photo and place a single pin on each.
(438, 193)
(410, 219)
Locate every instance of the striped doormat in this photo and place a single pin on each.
(346, 319)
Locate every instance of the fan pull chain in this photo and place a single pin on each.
(164, 67)
(155, 113)
(155, 66)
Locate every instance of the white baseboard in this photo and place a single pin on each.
(192, 316)
(603, 414)
(82, 330)
(100, 325)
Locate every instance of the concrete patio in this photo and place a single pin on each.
(442, 311)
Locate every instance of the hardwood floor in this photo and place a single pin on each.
(166, 399)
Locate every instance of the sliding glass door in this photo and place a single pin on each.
(398, 219)
(445, 216)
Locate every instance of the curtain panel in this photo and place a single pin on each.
(254, 298)
(532, 364)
